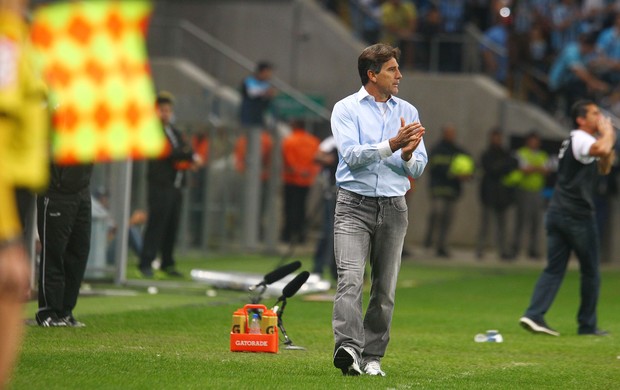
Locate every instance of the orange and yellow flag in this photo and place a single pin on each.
(94, 59)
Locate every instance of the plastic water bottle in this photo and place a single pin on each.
(255, 324)
(491, 336)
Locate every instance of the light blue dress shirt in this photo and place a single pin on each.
(366, 164)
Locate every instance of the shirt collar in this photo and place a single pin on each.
(363, 94)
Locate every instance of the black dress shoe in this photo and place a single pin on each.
(173, 272)
(597, 332)
(146, 272)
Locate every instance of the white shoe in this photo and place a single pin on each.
(373, 368)
(314, 278)
(315, 281)
(537, 326)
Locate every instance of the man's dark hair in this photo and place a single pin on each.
(533, 133)
(588, 38)
(164, 97)
(263, 65)
(373, 58)
(579, 110)
(496, 130)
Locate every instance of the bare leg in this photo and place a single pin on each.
(14, 288)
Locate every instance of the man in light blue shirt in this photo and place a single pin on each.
(569, 75)
(380, 145)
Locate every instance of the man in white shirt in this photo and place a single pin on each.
(571, 222)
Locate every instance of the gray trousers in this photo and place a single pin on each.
(529, 217)
(373, 227)
(499, 223)
(439, 221)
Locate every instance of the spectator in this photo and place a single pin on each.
(445, 190)
(542, 13)
(537, 57)
(565, 26)
(299, 172)
(569, 76)
(429, 28)
(479, 13)
(64, 224)
(593, 15)
(608, 48)
(496, 196)
(495, 49)
(327, 158)
(366, 19)
(166, 177)
(256, 94)
(523, 19)
(453, 19)
(533, 164)
(399, 19)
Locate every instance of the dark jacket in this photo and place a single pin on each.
(252, 108)
(69, 179)
(164, 172)
(496, 164)
(443, 183)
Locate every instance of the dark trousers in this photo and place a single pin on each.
(529, 216)
(499, 221)
(160, 234)
(439, 221)
(566, 234)
(294, 213)
(64, 223)
(324, 252)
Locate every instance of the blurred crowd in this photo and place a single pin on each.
(547, 52)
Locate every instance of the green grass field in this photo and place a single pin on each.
(179, 338)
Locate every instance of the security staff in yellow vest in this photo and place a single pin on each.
(449, 165)
(23, 157)
(533, 165)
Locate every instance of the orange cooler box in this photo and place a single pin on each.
(241, 341)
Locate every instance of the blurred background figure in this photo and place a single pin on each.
(23, 159)
(496, 196)
(533, 165)
(400, 18)
(256, 94)
(327, 158)
(165, 178)
(445, 189)
(569, 76)
(299, 172)
(495, 49)
(366, 17)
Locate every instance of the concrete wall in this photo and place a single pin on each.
(315, 53)
(311, 49)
